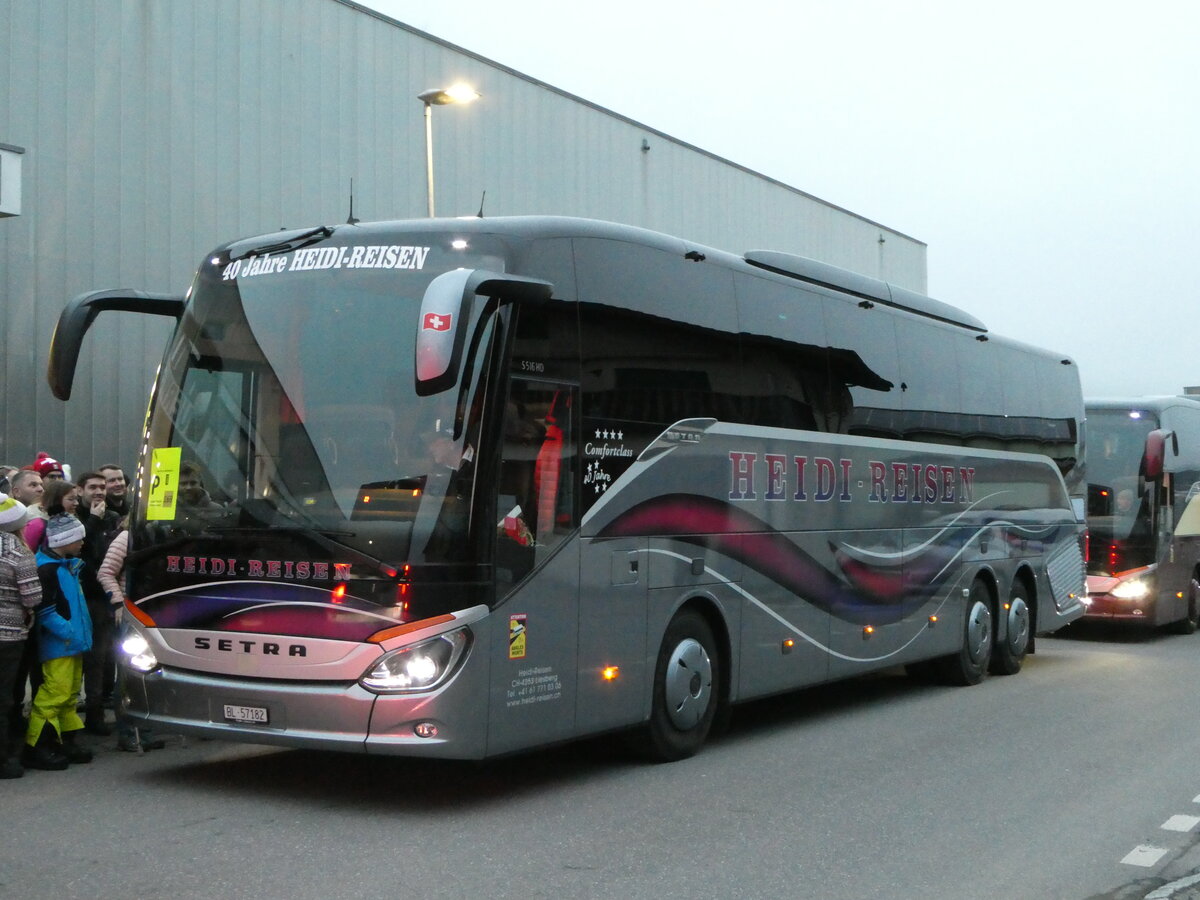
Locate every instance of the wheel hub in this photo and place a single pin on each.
(979, 632)
(688, 687)
(1018, 625)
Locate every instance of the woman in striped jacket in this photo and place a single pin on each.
(111, 575)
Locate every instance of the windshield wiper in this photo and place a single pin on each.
(289, 527)
(303, 239)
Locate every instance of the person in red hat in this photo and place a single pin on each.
(48, 467)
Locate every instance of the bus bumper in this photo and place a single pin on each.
(1106, 608)
(312, 715)
(1140, 606)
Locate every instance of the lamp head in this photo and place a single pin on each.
(457, 93)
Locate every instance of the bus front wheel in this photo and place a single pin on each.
(687, 681)
(970, 664)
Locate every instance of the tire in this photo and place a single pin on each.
(687, 690)
(970, 664)
(1011, 648)
(1187, 625)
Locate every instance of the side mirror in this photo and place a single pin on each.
(77, 317)
(445, 311)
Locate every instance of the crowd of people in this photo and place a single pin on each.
(62, 550)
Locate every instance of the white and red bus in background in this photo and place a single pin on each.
(1143, 466)
(475, 486)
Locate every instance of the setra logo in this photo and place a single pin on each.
(234, 645)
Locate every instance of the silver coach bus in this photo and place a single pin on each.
(1143, 532)
(463, 487)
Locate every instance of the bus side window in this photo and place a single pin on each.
(535, 493)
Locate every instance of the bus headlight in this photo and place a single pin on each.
(137, 650)
(418, 667)
(1134, 589)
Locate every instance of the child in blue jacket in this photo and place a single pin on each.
(64, 634)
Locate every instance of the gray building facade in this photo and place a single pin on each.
(149, 131)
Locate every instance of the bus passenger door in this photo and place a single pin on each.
(536, 568)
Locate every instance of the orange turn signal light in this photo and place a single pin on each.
(380, 636)
(136, 612)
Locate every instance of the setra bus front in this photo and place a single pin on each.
(1137, 570)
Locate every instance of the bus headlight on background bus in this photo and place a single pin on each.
(418, 667)
(1134, 589)
(137, 650)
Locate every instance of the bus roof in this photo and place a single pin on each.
(814, 272)
(1157, 402)
(789, 265)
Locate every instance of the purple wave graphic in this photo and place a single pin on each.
(267, 608)
(881, 597)
(918, 576)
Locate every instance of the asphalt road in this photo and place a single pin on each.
(1055, 783)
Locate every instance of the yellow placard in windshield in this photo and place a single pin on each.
(164, 484)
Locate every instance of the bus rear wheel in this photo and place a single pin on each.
(1018, 621)
(687, 682)
(970, 664)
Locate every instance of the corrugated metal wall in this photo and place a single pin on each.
(154, 130)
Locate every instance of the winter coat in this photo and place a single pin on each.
(20, 590)
(113, 567)
(34, 532)
(98, 534)
(64, 625)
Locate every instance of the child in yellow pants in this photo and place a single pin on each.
(64, 634)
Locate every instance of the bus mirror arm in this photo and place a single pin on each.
(445, 310)
(77, 317)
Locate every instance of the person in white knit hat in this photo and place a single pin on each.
(64, 635)
(20, 594)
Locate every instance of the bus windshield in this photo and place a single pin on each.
(287, 401)
(1119, 498)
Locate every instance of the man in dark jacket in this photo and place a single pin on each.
(101, 525)
(116, 489)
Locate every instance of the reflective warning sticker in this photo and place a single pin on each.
(516, 636)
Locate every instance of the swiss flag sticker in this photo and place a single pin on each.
(436, 322)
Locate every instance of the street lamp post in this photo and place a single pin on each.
(459, 93)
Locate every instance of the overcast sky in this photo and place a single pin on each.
(1047, 152)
